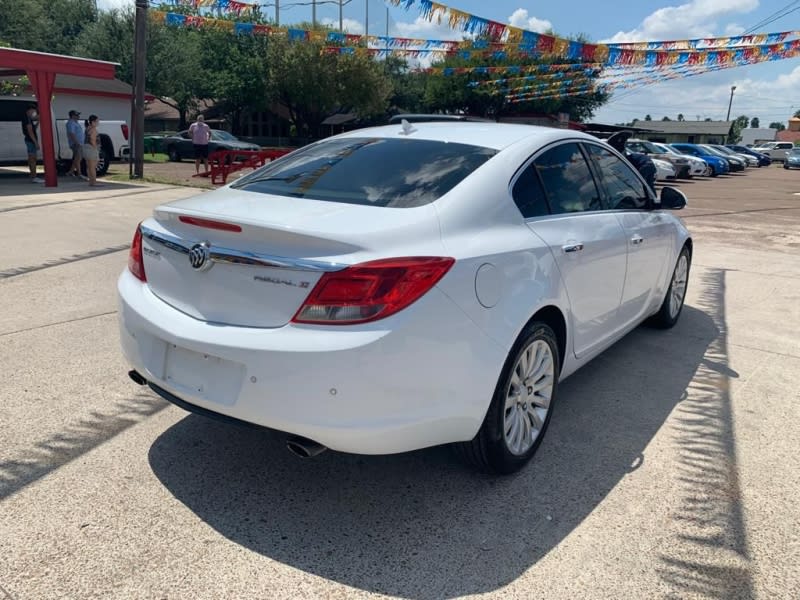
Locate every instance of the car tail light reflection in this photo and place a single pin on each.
(124, 130)
(372, 290)
(135, 258)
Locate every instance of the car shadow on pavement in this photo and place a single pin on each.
(74, 440)
(422, 525)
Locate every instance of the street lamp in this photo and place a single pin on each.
(730, 103)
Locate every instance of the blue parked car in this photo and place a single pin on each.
(792, 159)
(719, 166)
(763, 159)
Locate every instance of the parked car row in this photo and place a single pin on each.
(685, 161)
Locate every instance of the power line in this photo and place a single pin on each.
(779, 14)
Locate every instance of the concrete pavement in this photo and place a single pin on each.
(670, 469)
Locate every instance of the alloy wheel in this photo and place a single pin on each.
(528, 396)
(678, 287)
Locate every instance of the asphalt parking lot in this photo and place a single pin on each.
(671, 468)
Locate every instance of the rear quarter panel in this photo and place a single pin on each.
(480, 226)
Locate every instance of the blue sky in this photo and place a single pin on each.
(768, 91)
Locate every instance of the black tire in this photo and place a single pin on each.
(666, 317)
(489, 450)
(174, 155)
(103, 161)
(713, 171)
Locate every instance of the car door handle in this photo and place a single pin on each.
(572, 247)
(636, 240)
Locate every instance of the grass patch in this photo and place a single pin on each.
(159, 180)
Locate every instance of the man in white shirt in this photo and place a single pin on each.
(201, 135)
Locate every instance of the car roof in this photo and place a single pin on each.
(487, 135)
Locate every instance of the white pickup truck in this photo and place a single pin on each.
(775, 150)
(113, 136)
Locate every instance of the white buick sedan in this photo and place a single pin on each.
(396, 288)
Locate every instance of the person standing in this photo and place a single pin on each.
(75, 136)
(91, 151)
(201, 136)
(29, 123)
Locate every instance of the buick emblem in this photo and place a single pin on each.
(199, 257)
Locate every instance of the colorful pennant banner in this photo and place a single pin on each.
(756, 39)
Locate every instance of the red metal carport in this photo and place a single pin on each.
(41, 69)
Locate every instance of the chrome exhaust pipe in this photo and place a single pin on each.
(137, 378)
(303, 447)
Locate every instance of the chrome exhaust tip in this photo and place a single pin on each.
(137, 378)
(303, 447)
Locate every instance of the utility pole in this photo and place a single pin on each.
(366, 23)
(341, 18)
(314, 13)
(137, 112)
(277, 12)
(733, 89)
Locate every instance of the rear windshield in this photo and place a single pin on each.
(399, 173)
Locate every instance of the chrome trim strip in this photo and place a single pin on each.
(218, 254)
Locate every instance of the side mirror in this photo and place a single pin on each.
(672, 199)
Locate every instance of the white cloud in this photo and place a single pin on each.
(732, 29)
(520, 18)
(761, 91)
(429, 30)
(697, 18)
(111, 4)
(349, 25)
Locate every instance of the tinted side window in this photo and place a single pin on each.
(567, 180)
(529, 194)
(13, 110)
(625, 189)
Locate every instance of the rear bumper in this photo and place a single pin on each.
(420, 378)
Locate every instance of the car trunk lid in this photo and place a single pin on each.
(251, 259)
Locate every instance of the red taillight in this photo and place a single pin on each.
(209, 224)
(372, 290)
(135, 258)
(124, 130)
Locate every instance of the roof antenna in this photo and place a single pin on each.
(408, 128)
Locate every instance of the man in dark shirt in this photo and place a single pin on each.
(29, 122)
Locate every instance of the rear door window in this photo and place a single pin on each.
(567, 180)
(398, 173)
(624, 188)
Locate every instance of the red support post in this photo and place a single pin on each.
(42, 83)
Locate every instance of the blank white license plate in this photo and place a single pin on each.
(203, 375)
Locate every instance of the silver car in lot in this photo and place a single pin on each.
(697, 166)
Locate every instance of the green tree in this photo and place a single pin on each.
(408, 87)
(109, 38)
(666, 119)
(174, 72)
(796, 114)
(680, 117)
(13, 87)
(313, 84)
(45, 25)
(755, 123)
(777, 125)
(648, 118)
(735, 133)
(477, 94)
(234, 69)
